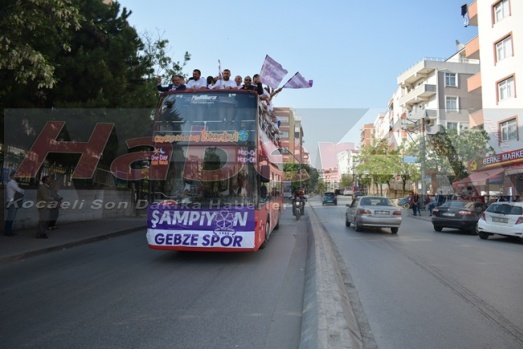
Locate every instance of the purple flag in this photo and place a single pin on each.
(298, 81)
(272, 73)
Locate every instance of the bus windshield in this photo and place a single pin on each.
(221, 115)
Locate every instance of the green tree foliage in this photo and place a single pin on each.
(320, 187)
(310, 175)
(27, 28)
(76, 53)
(377, 164)
(455, 150)
(346, 181)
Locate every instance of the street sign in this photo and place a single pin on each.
(410, 159)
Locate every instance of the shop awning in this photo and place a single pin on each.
(481, 177)
(512, 170)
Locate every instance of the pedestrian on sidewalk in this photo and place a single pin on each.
(43, 199)
(414, 203)
(54, 206)
(429, 204)
(14, 199)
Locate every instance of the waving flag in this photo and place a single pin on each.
(465, 15)
(298, 81)
(272, 73)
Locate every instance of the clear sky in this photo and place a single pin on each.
(353, 50)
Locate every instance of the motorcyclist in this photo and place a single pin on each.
(299, 195)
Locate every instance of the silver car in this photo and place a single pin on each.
(373, 211)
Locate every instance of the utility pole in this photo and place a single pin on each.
(422, 160)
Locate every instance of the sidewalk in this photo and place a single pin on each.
(407, 212)
(24, 244)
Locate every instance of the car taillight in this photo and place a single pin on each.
(436, 210)
(396, 213)
(483, 217)
(520, 220)
(466, 213)
(364, 211)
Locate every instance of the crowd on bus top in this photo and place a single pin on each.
(224, 82)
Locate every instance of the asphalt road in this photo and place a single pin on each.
(117, 293)
(424, 289)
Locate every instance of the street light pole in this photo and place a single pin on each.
(422, 160)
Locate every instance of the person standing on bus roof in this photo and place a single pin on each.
(247, 84)
(238, 80)
(224, 82)
(177, 84)
(197, 82)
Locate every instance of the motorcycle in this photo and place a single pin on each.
(297, 207)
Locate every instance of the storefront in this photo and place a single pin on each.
(494, 176)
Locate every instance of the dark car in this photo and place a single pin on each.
(463, 215)
(405, 202)
(329, 198)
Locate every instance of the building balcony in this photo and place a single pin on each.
(417, 95)
(474, 83)
(419, 71)
(476, 119)
(473, 14)
(472, 48)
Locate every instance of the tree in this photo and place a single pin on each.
(346, 180)
(105, 64)
(458, 149)
(377, 164)
(27, 29)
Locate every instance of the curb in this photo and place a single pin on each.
(328, 317)
(63, 246)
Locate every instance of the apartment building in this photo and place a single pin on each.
(435, 90)
(291, 136)
(499, 48)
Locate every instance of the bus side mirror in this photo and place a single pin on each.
(265, 175)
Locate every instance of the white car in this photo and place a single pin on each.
(502, 218)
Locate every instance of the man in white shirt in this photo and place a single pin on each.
(225, 82)
(238, 79)
(197, 83)
(12, 204)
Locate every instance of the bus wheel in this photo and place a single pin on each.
(267, 233)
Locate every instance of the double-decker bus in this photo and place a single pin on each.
(223, 172)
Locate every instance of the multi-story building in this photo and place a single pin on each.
(436, 89)
(367, 134)
(499, 48)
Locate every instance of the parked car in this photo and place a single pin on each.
(373, 211)
(405, 202)
(502, 218)
(463, 215)
(329, 198)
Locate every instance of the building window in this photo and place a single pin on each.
(506, 89)
(451, 80)
(501, 10)
(509, 130)
(504, 49)
(452, 125)
(451, 104)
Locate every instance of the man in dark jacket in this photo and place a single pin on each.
(177, 84)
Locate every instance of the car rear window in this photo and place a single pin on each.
(453, 204)
(505, 209)
(329, 194)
